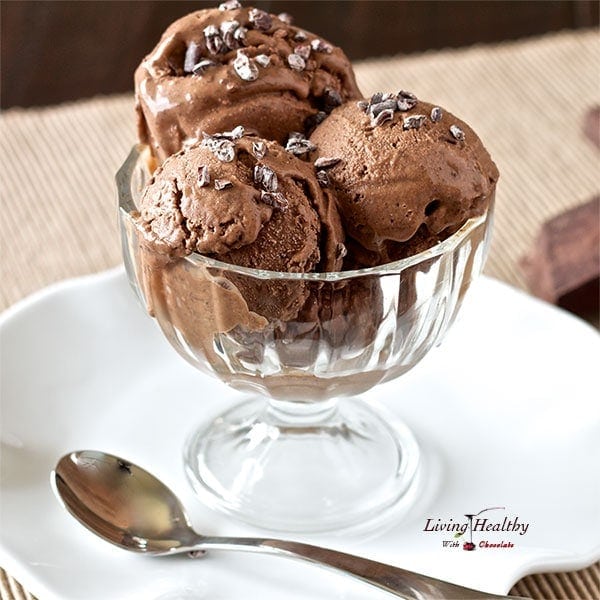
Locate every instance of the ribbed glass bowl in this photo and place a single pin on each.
(301, 452)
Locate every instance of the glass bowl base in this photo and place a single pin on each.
(302, 467)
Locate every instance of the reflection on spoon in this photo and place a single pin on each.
(130, 508)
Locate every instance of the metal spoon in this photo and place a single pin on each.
(130, 508)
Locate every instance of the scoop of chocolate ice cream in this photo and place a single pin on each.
(217, 68)
(246, 201)
(415, 174)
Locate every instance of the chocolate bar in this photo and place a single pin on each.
(564, 265)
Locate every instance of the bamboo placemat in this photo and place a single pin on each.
(526, 99)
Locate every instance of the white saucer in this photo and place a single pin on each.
(505, 408)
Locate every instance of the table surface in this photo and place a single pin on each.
(526, 100)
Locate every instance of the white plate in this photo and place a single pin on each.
(505, 407)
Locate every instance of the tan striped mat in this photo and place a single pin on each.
(526, 99)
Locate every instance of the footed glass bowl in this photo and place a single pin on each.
(301, 452)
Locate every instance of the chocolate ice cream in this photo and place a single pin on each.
(269, 160)
(217, 68)
(245, 201)
(415, 174)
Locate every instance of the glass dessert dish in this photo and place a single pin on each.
(301, 452)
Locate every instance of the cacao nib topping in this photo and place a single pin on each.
(326, 162)
(259, 149)
(296, 62)
(407, 95)
(319, 45)
(260, 19)
(213, 40)
(245, 67)
(263, 60)
(266, 178)
(376, 98)
(375, 109)
(224, 151)
(275, 199)
(239, 35)
(286, 18)
(340, 250)
(436, 114)
(226, 29)
(221, 184)
(457, 133)
(413, 122)
(323, 178)
(201, 66)
(192, 56)
(230, 5)
(298, 145)
(203, 176)
(383, 116)
(405, 105)
(303, 51)
(235, 134)
(331, 100)
(406, 100)
(381, 108)
(222, 148)
(313, 120)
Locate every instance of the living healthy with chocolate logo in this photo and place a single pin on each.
(476, 530)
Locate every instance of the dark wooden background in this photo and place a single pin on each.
(54, 51)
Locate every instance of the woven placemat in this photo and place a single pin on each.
(525, 99)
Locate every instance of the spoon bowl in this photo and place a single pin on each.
(121, 502)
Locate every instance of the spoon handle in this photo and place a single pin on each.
(400, 582)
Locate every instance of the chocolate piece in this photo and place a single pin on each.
(296, 62)
(319, 45)
(331, 100)
(201, 66)
(230, 5)
(414, 122)
(303, 51)
(313, 120)
(192, 56)
(221, 184)
(245, 67)
(563, 266)
(286, 18)
(326, 162)
(266, 178)
(275, 199)
(457, 133)
(263, 60)
(203, 176)
(323, 178)
(259, 149)
(436, 114)
(382, 117)
(297, 144)
(260, 19)
(213, 40)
